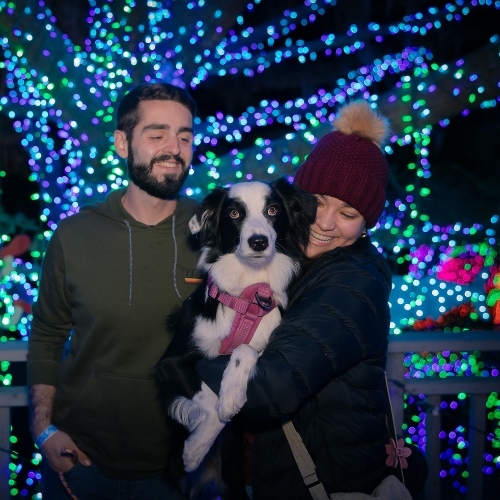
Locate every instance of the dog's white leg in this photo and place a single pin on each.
(233, 389)
(204, 435)
(186, 412)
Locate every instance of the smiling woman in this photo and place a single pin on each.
(348, 173)
(324, 365)
(348, 163)
(337, 224)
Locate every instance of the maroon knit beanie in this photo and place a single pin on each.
(347, 164)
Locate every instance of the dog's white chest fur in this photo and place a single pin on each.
(233, 276)
(209, 334)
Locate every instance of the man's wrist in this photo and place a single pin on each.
(45, 434)
(38, 426)
(41, 406)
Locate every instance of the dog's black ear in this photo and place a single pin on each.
(301, 208)
(205, 220)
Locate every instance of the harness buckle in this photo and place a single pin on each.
(264, 302)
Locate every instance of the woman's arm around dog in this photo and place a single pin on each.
(338, 317)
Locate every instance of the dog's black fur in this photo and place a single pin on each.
(288, 212)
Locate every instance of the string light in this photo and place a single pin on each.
(62, 97)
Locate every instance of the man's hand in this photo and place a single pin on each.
(42, 403)
(52, 448)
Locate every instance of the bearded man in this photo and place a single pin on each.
(110, 276)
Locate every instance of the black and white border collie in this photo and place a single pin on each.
(251, 233)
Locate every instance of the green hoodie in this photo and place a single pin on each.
(111, 280)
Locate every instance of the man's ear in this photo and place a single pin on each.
(121, 144)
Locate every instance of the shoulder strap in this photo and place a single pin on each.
(392, 427)
(304, 461)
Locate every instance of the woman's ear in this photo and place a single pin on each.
(121, 144)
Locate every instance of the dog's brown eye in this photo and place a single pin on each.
(272, 211)
(234, 214)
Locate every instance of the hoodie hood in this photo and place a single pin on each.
(112, 207)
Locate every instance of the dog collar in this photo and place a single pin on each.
(251, 306)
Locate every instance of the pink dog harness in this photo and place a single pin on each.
(254, 303)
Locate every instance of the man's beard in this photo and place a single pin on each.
(165, 188)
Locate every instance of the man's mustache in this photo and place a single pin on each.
(178, 158)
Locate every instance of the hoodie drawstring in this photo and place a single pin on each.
(175, 258)
(130, 261)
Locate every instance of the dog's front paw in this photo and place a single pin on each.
(187, 412)
(193, 456)
(199, 442)
(229, 405)
(233, 389)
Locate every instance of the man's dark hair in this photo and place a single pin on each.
(127, 116)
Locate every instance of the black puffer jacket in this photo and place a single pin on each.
(324, 365)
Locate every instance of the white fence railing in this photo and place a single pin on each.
(399, 345)
(434, 387)
(13, 350)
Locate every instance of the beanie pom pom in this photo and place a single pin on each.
(359, 118)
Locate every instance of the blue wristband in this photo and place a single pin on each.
(51, 429)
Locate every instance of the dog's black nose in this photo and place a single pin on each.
(258, 242)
